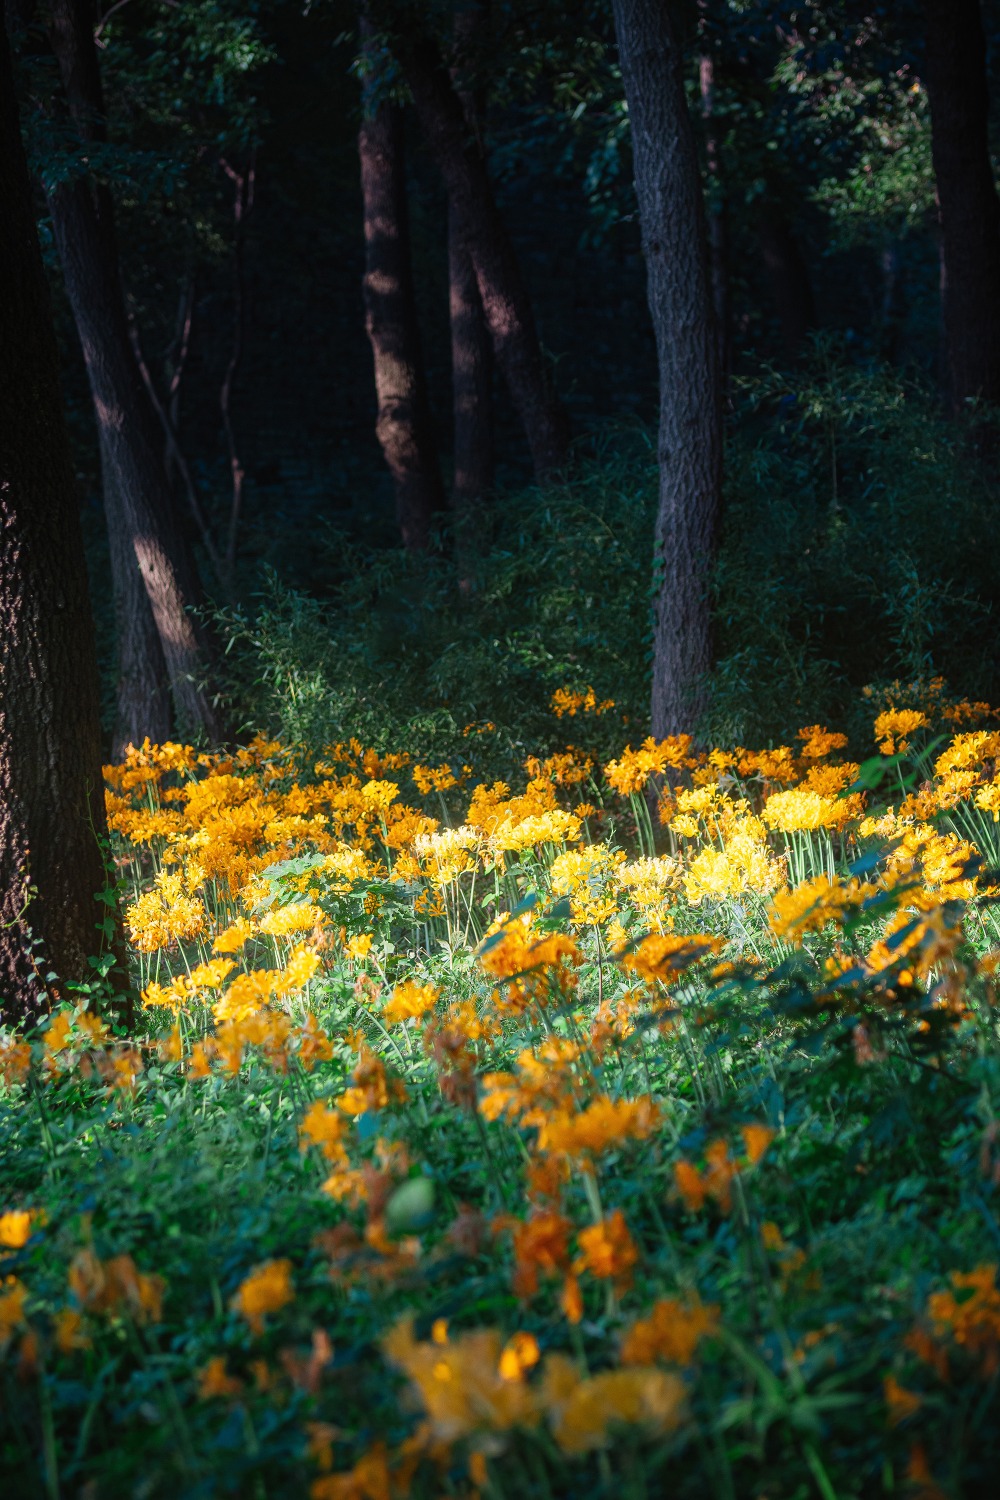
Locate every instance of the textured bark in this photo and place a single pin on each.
(506, 305)
(471, 346)
(967, 197)
(142, 697)
(718, 219)
(51, 793)
(403, 425)
(471, 390)
(788, 275)
(672, 217)
(134, 474)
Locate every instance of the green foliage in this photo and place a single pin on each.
(404, 658)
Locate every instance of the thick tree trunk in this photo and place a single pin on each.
(51, 793)
(788, 275)
(471, 346)
(969, 207)
(672, 216)
(84, 231)
(506, 305)
(403, 425)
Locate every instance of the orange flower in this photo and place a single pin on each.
(608, 1250)
(541, 1243)
(672, 1332)
(267, 1289)
(900, 1402)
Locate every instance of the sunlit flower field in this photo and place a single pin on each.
(623, 1129)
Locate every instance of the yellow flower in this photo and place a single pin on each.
(583, 1413)
(13, 1295)
(15, 1228)
(232, 939)
(358, 947)
(894, 727)
(298, 916)
(267, 1289)
(410, 1001)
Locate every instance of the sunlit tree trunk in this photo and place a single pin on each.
(51, 793)
(672, 216)
(130, 442)
(506, 305)
(955, 70)
(403, 425)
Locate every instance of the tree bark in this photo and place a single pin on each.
(788, 274)
(506, 305)
(672, 218)
(471, 347)
(134, 474)
(718, 219)
(969, 208)
(403, 425)
(51, 792)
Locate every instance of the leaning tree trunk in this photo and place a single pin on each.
(506, 305)
(51, 793)
(672, 217)
(967, 197)
(403, 425)
(84, 231)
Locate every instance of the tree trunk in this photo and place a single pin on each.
(506, 305)
(718, 220)
(142, 698)
(471, 347)
(404, 419)
(672, 217)
(788, 274)
(84, 230)
(471, 391)
(51, 792)
(969, 207)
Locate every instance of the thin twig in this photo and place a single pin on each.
(244, 184)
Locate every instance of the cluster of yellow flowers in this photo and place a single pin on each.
(253, 879)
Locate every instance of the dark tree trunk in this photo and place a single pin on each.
(718, 219)
(131, 447)
(788, 274)
(506, 305)
(672, 216)
(403, 425)
(967, 197)
(471, 390)
(51, 792)
(471, 346)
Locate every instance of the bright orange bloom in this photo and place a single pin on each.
(607, 1250)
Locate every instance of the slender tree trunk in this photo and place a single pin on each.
(142, 697)
(403, 425)
(84, 230)
(471, 346)
(672, 216)
(471, 390)
(506, 305)
(788, 274)
(51, 792)
(969, 207)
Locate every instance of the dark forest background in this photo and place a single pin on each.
(856, 526)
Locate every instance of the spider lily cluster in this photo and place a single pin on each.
(544, 1079)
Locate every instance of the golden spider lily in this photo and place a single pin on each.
(267, 1289)
(672, 1332)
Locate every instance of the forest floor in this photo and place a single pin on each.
(607, 1128)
